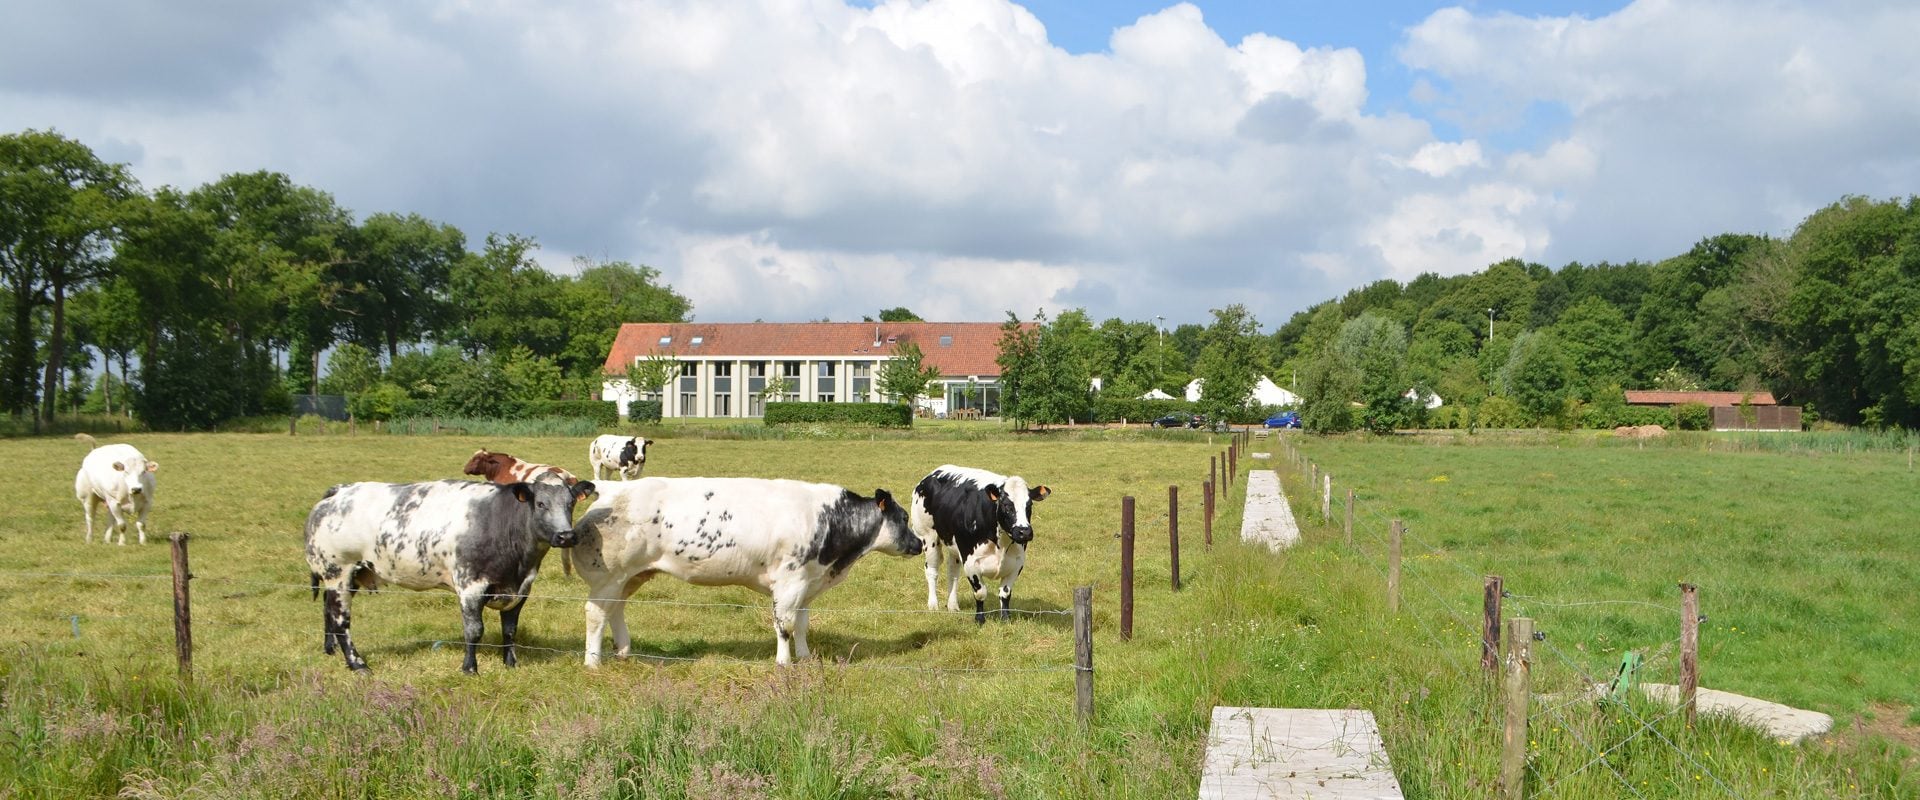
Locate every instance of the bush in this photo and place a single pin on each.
(1692, 417)
(879, 415)
(642, 411)
(382, 401)
(1500, 412)
(603, 414)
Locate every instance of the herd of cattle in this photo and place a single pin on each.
(484, 540)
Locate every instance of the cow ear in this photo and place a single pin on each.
(993, 492)
(119, 467)
(882, 497)
(583, 488)
(1039, 493)
(153, 466)
(522, 492)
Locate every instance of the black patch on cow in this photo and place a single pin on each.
(844, 531)
(963, 516)
(709, 495)
(630, 453)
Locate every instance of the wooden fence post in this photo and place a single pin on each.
(1326, 499)
(182, 608)
(1083, 653)
(1490, 629)
(1349, 517)
(1206, 512)
(1393, 567)
(291, 429)
(1689, 647)
(1213, 470)
(1126, 568)
(1173, 531)
(1513, 749)
(1233, 460)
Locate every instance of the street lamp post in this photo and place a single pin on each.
(1160, 353)
(1489, 325)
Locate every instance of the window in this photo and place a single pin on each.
(790, 371)
(756, 384)
(689, 388)
(861, 375)
(666, 340)
(723, 389)
(946, 341)
(697, 340)
(825, 385)
(722, 405)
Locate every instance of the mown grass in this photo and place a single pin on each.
(269, 715)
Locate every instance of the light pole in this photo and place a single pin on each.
(1489, 326)
(1160, 354)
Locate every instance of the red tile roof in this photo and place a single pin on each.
(972, 350)
(1657, 398)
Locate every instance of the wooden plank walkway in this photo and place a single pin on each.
(1287, 753)
(1268, 519)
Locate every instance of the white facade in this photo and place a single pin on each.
(724, 386)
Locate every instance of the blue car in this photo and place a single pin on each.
(1284, 419)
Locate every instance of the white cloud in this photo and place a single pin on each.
(794, 159)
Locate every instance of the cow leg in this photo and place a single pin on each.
(979, 599)
(934, 559)
(509, 623)
(339, 600)
(789, 624)
(1006, 590)
(86, 507)
(140, 521)
(119, 522)
(474, 626)
(598, 610)
(951, 558)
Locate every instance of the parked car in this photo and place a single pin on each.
(1174, 420)
(1284, 419)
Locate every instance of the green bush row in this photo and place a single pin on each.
(879, 415)
(643, 411)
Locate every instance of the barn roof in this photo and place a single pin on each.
(1659, 398)
(959, 349)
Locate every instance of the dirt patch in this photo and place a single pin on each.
(1890, 722)
(1639, 431)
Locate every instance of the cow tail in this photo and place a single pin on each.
(313, 579)
(566, 560)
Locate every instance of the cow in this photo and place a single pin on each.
(978, 522)
(622, 456)
(119, 476)
(482, 541)
(783, 538)
(503, 468)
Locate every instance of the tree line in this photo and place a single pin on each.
(217, 302)
(1827, 318)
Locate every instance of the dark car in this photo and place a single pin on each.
(1284, 419)
(1174, 420)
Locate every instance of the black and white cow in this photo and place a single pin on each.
(483, 541)
(622, 456)
(978, 522)
(783, 538)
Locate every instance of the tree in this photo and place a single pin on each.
(350, 370)
(59, 207)
(1538, 376)
(1019, 364)
(602, 297)
(506, 299)
(1597, 341)
(899, 314)
(903, 377)
(401, 266)
(1375, 348)
(652, 374)
(1230, 362)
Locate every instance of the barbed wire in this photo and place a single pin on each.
(731, 660)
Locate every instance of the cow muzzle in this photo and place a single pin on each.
(1020, 534)
(566, 538)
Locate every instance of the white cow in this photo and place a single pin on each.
(118, 475)
(787, 539)
(622, 456)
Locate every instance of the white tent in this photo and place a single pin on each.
(1265, 392)
(1156, 394)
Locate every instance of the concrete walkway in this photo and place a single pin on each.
(1321, 753)
(1267, 519)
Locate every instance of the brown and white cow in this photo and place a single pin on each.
(502, 468)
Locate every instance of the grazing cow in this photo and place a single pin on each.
(787, 539)
(979, 522)
(119, 476)
(622, 456)
(483, 541)
(503, 468)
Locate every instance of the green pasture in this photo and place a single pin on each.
(908, 704)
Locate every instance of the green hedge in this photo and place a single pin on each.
(644, 411)
(1692, 417)
(879, 415)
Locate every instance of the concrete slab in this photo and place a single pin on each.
(1268, 519)
(1321, 753)
(1782, 722)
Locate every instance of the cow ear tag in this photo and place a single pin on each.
(881, 496)
(522, 492)
(1040, 492)
(993, 493)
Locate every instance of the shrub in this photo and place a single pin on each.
(642, 411)
(1692, 417)
(880, 415)
(1500, 412)
(382, 401)
(603, 414)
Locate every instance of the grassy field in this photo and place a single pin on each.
(920, 705)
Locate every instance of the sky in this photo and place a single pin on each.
(788, 160)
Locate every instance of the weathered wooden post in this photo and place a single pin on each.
(1349, 517)
(1173, 531)
(1326, 499)
(1233, 460)
(1393, 567)
(182, 608)
(1490, 628)
(1213, 470)
(1083, 654)
(1126, 568)
(1689, 647)
(292, 430)
(1513, 748)
(1206, 512)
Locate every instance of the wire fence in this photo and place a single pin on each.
(1576, 681)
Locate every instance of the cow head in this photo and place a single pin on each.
(483, 463)
(552, 508)
(1013, 507)
(635, 453)
(134, 472)
(895, 537)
